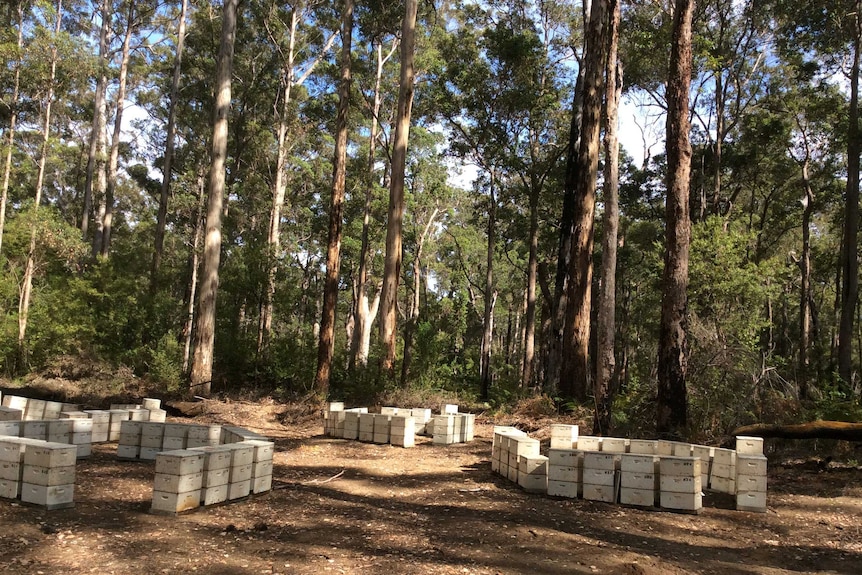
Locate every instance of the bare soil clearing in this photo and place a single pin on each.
(430, 509)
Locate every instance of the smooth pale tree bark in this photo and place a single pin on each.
(363, 311)
(30, 266)
(575, 366)
(395, 218)
(289, 81)
(530, 295)
(13, 121)
(170, 143)
(192, 287)
(415, 301)
(671, 411)
(326, 346)
(485, 374)
(94, 159)
(805, 285)
(849, 255)
(114, 157)
(605, 383)
(202, 365)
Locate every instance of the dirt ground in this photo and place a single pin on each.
(347, 507)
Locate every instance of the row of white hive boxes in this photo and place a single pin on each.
(43, 473)
(144, 440)
(37, 472)
(19, 408)
(188, 478)
(398, 426)
(632, 471)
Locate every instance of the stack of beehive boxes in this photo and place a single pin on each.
(382, 428)
(16, 404)
(508, 446)
(82, 436)
(11, 466)
(175, 436)
(333, 419)
(366, 427)
(722, 472)
(565, 472)
(48, 474)
(533, 473)
(422, 417)
(241, 465)
(639, 479)
(403, 430)
(600, 477)
(178, 481)
(351, 424)
(35, 410)
(705, 454)
(750, 474)
(129, 440)
(152, 437)
(216, 473)
(101, 424)
(118, 416)
(261, 471)
(449, 428)
(680, 483)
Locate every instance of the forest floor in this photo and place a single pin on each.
(341, 506)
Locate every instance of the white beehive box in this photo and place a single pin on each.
(151, 403)
(351, 425)
(614, 444)
(177, 483)
(48, 476)
(749, 445)
(50, 455)
(638, 497)
(643, 446)
(10, 489)
(563, 489)
(50, 497)
(170, 503)
(589, 443)
(564, 436)
(403, 431)
(214, 494)
(10, 428)
(239, 489)
(10, 414)
(261, 484)
(180, 462)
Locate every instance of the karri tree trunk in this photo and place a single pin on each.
(395, 217)
(606, 372)
(326, 346)
(114, 157)
(364, 313)
(193, 261)
(805, 286)
(554, 352)
(671, 411)
(202, 365)
(170, 137)
(529, 357)
(849, 255)
(485, 349)
(575, 376)
(30, 266)
(13, 121)
(94, 161)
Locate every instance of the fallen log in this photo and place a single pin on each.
(811, 430)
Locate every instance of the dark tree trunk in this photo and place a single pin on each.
(673, 348)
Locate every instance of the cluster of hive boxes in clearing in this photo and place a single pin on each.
(638, 472)
(398, 426)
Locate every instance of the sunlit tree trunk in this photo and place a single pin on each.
(394, 222)
(114, 158)
(30, 266)
(202, 365)
(364, 313)
(605, 383)
(192, 288)
(13, 121)
(170, 137)
(671, 412)
(94, 160)
(805, 287)
(575, 376)
(326, 346)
